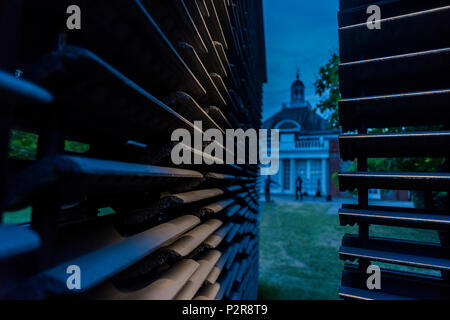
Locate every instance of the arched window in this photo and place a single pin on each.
(288, 126)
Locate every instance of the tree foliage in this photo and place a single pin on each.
(327, 87)
(23, 145)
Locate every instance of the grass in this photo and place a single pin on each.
(16, 217)
(299, 251)
(24, 216)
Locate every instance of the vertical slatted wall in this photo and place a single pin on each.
(136, 71)
(396, 77)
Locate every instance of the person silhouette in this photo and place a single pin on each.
(298, 188)
(267, 186)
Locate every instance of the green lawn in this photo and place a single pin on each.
(299, 250)
(15, 217)
(24, 216)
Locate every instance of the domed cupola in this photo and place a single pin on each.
(297, 93)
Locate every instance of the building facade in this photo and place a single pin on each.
(309, 149)
(307, 146)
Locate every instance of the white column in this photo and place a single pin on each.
(307, 185)
(324, 180)
(308, 169)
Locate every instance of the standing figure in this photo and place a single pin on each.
(268, 183)
(318, 193)
(298, 188)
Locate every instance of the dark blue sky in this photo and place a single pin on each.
(299, 34)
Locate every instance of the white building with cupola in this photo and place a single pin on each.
(308, 146)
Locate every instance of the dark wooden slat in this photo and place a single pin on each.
(18, 91)
(220, 84)
(387, 111)
(397, 181)
(134, 73)
(215, 239)
(174, 19)
(120, 256)
(395, 285)
(212, 59)
(389, 8)
(164, 287)
(191, 110)
(410, 73)
(188, 242)
(92, 176)
(349, 293)
(172, 200)
(394, 77)
(206, 264)
(213, 96)
(217, 114)
(221, 50)
(16, 241)
(208, 292)
(203, 8)
(214, 24)
(347, 4)
(424, 220)
(225, 21)
(426, 144)
(154, 55)
(125, 110)
(402, 252)
(398, 35)
(215, 207)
